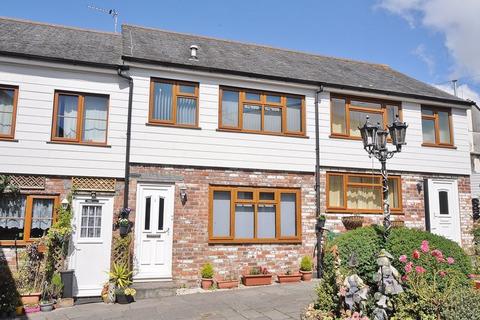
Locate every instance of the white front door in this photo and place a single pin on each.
(444, 208)
(154, 232)
(92, 238)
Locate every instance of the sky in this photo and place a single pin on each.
(434, 41)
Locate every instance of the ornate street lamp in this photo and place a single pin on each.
(375, 143)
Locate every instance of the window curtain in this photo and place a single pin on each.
(162, 102)
(335, 191)
(42, 215)
(186, 111)
(221, 213)
(67, 116)
(91, 223)
(338, 116)
(393, 193)
(6, 111)
(444, 127)
(230, 108)
(364, 198)
(12, 217)
(294, 114)
(266, 221)
(244, 221)
(273, 119)
(358, 118)
(252, 117)
(288, 217)
(95, 119)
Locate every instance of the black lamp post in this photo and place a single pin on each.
(375, 143)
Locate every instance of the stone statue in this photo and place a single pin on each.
(356, 291)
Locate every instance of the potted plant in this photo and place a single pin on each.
(321, 221)
(120, 277)
(124, 225)
(353, 222)
(31, 308)
(289, 276)
(125, 295)
(306, 266)
(46, 304)
(29, 296)
(257, 276)
(207, 276)
(227, 282)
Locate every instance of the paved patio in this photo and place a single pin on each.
(273, 302)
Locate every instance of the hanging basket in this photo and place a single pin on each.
(353, 222)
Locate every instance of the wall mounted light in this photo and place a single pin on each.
(419, 186)
(183, 193)
(65, 203)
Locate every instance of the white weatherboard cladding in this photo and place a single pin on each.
(32, 154)
(211, 148)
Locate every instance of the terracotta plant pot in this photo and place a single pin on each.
(284, 278)
(353, 222)
(64, 303)
(257, 279)
(306, 275)
(207, 283)
(227, 284)
(19, 310)
(42, 248)
(31, 298)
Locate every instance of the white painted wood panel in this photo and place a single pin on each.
(33, 154)
(209, 147)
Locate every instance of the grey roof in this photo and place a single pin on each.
(27, 38)
(153, 45)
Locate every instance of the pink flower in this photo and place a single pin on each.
(442, 274)
(416, 254)
(404, 278)
(471, 276)
(420, 269)
(424, 247)
(408, 267)
(403, 258)
(450, 260)
(437, 253)
(440, 259)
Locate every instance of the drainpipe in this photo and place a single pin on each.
(129, 132)
(318, 228)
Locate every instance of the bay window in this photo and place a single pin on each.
(349, 113)
(261, 112)
(437, 127)
(361, 193)
(254, 215)
(8, 111)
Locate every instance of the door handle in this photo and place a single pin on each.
(166, 231)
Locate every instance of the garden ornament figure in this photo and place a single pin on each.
(388, 281)
(356, 290)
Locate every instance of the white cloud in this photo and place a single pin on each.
(458, 21)
(463, 91)
(421, 52)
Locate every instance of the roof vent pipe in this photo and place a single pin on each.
(193, 52)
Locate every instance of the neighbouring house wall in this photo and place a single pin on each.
(32, 153)
(211, 148)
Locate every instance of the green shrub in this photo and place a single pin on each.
(404, 241)
(207, 271)
(364, 242)
(465, 305)
(306, 264)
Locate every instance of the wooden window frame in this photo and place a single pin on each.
(436, 121)
(80, 118)
(346, 184)
(28, 219)
(11, 135)
(262, 103)
(348, 107)
(175, 95)
(255, 202)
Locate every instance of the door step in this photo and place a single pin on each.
(154, 289)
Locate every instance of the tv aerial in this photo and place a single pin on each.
(112, 12)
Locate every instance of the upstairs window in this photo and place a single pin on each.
(173, 103)
(437, 127)
(261, 112)
(254, 215)
(8, 111)
(80, 118)
(349, 113)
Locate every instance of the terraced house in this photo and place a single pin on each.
(212, 144)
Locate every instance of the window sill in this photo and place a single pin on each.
(351, 212)
(432, 145)
(8, 139)
(80, 144)
(152, 124)
(253, 242)
(265, 133)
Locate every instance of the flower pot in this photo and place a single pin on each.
(123, 230)
(64, 303)
(206, 283)
(31, 309)
(284, 278)
(352, 222)
(67, 280)
(306, 275)
(42, 248)
(321, 222)
(227, 284)
(46, 307)
(19, 310)
(124, 299)
(31, 298)
(257, 279)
